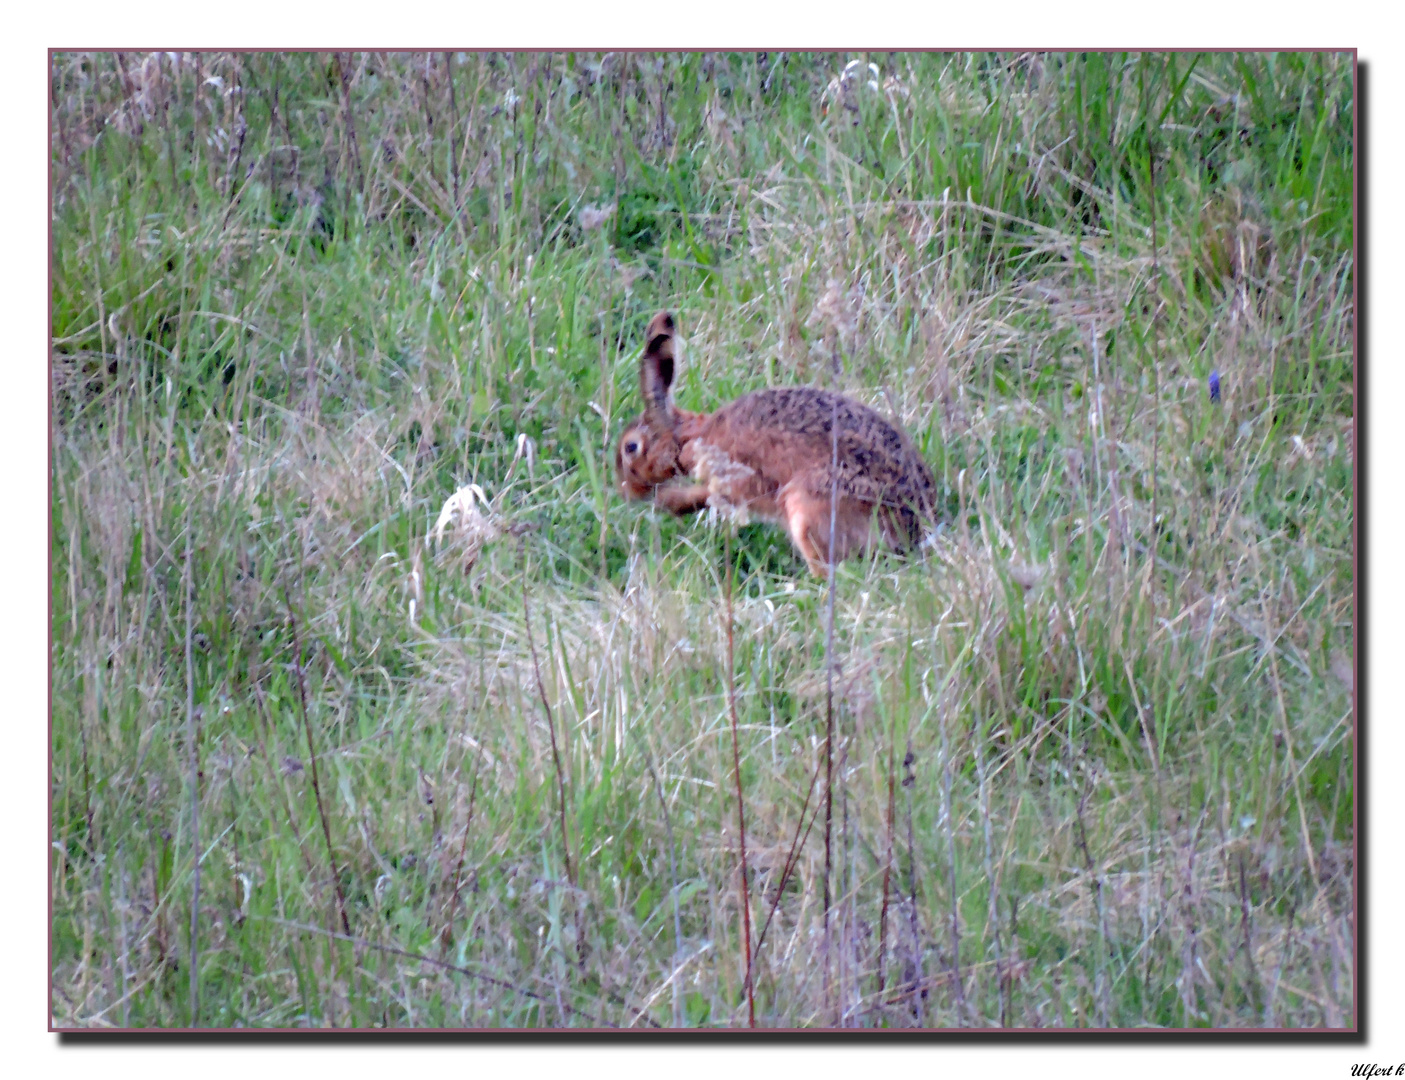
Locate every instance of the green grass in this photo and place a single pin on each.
(1094, 758)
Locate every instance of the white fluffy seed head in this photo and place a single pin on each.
(468, 521)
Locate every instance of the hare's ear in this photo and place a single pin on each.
(656, 365)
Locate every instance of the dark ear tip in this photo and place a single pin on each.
(656, 365)
(662, 323)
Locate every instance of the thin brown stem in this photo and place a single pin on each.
(993, 897)
(491, 980)
(550, 719)
(1155, 348)
(673, 882)
(454, 127)
(1100, 973)
(312, 765)
(1287, 731)
(957, 980)
(87, 785)
(909, 781)
(447, 934)
(887, 864)
(192, 736)
(829, 677)
(797, 844)
(741, 802)
(350, 121)
(262, 714)
(1246, 925)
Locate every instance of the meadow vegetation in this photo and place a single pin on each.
(1093, 747)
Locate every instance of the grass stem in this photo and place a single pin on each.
(550, 718)
(312, 765)
(744, 884)
(193, 738)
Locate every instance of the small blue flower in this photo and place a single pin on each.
(1215, 385)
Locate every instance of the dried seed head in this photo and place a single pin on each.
(469, 521)
(843, 88)
(837, 311)
(591, 217)
(1026, 575)
(525, 448)
(1345, 674)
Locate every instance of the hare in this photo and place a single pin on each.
(770, 454)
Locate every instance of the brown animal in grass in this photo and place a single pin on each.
(770, 453)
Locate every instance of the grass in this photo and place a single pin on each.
(1093, 760)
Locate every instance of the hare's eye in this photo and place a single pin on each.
(631, 447)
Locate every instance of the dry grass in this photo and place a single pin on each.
(1094, 762)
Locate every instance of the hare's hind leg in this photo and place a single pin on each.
(807, 518)
(802, 515)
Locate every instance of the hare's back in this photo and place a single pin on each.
(786, 431)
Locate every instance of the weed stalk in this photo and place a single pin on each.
(546, 707)
(829, 679)
(192, 737)
(673, 880)
(312, 765)
(797, 844)
(447, 935)
(741, 802)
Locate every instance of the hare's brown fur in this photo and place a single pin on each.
(771, 453)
